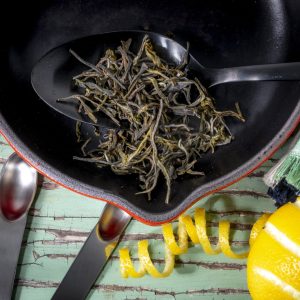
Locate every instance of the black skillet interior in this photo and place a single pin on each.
(222, 33)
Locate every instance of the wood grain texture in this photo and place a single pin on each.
(60, 221)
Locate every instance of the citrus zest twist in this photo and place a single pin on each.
(187, 229)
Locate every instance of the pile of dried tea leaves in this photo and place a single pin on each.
(165, 120)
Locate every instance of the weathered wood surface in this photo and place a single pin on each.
(60, 221)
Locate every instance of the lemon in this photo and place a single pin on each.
(273, 268)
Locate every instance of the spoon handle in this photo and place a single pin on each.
(270, 72)
(84, 271)
(11, 235)
(91, 259)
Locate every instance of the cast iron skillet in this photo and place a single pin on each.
(222, 33)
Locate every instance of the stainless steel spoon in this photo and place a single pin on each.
(92, 258)
(52, 75)
(18, 184)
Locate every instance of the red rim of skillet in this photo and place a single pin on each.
(74, 185)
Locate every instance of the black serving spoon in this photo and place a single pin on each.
(51, 77)
(92, 257)
(18, 185)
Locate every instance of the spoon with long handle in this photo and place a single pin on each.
(92, 257)
(18, 184)
(52, 76)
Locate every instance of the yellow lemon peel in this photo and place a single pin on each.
(258, 227)
(224, 228)
(109, 249)
(146, 264)
(169, 238)
(200, 222)
(197, 233)
(126, 265)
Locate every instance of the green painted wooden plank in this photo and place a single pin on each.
(60, 221)
(46, 293)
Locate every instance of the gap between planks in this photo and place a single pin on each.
(178, 261)
(63, 233)
(127, 237)
(122, 288)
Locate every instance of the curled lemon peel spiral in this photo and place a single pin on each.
(146, 264)
(197, 233)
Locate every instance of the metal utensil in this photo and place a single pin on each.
(92, 258)
(18, 184)
(51, 76)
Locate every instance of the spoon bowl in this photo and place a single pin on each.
(18, 184)
(112, 222)
(52, 75)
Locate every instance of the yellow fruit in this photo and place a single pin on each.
(273, 269)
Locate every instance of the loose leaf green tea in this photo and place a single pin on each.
(164, 119)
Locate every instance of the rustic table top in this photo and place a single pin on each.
(60, 221)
